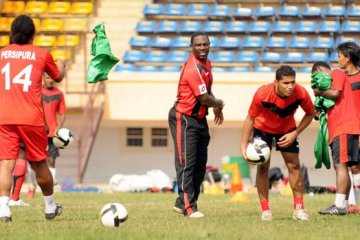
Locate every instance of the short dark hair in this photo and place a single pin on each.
(319, 64)
(284, 70)
(22, 30)
(195, 34)
(351, 50)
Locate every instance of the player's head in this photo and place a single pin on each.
(48, 82)
(285, 81)
(348, 53)
(200, 45)
(320, 66)
(22, 30)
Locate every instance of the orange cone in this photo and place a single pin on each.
(236, 183)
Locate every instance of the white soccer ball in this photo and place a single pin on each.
(257, 152)
(63, 137)
(113, 215)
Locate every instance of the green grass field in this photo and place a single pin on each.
(151, 217)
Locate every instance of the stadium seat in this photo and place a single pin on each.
(155, 56)
(323, 42)
(36, 22)
(12, 7)
(265, 11)
(306, 26)
(353, 11)
(82, 8)
(299, 42)
(146, 27)
(312, 11)
(276, 42)
(305, 69)
(190, 26)
(170, 68)
(274, 57)
(283, 27)
(64, 54)
(349, 26)
(36, 7)
(126, 67)
(214, 27)
(178, 56)
(5, 24)
(166, 26)
(45, 40)
(333, 57)
(224, 56)
(229, 42)
(264, 69)
(328, 26)
(174, 9)
(214, 41)
(75, 25)
(342, 39)
(131, 56)
(153, 9)
(218, 10)
(289, 11)
(252, 42)
(160, 42)
(259, 27)
(294, 57)
(67, 40)
(198, 9)
(241, 12)
(59, 7)
(247, 56)
(4, 40)
(51, 25)
(140, 41)
(219, 69)
(148, 68)
(335, 11)
(317, 56)
(239, 69)
(236, 27)
(180, 42)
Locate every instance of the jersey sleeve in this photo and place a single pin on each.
(50, 67)
(196, 83)
(255, 107)
(338, 80)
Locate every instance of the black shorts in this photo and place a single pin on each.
(345, 149)
(272, 139)
(52, 150)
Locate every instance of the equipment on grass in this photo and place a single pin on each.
(62, 138)
(113, 215)
(257, 152)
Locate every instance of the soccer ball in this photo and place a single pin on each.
(257, 152)
(113, 214)
(63, 138)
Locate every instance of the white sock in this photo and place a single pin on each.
(356, 178)
(50, 205)
(4, 201)
(32, 177)
(53, 172)
(340, 200)
(352, 199)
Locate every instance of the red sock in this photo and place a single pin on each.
(264, 205)
(18, 178)
(298, 203)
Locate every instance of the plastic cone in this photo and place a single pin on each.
(236, 183)
(240, 197)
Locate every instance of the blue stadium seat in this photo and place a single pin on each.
(147, 68)
(219, 69)
(214, 27)
(306, 26)
(276, 42)
(342, 39)
(274, 57)
(312, 11)
(146, 27)
(133, 56)
(178, 56)
(283, 27)
(333, 57)
(175, 9)
(160, 42)
(317, 56)
(294, 57)
(170, 68)
(198, 9)
(349, 26)
(190, 26)
(265, 11)
(353, 11)
(305, 69)
(264, 69)
(323, 42)
(218, 10)
(140, 41)
(180, 42)
(247, 56)
(155, 56)
(214, 41)
(241, 12)
(299, 42)
(335, 11)
(289, 11)
(239, 69)
(166, 26)
(327, 26)
(229, 42)
(259, 27)
(126, 67)
(224, 56)
(236, 27)
(252, 42)
(153, 9)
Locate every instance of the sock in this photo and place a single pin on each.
(4, 201)
(340, 200)
(298, 203)
(49, 203)
(352, 199)
(264, 205)
(356, 178)
(32, 177)
(18, 178)
(53, 172)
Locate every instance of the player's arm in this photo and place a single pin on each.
(247, 131)
(61, 64)
(210, 101)
(61, 119)
(331, 93)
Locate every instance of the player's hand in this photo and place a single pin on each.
(219, 117)
(287, 139)
(317, 92)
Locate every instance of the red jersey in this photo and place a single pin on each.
(343, 117)
(274, 114)
(355, 87)
(21, 70)
(195, 80)
(54, 104)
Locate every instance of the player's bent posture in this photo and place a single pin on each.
(188, 124)
(21, 117)
(271, 118)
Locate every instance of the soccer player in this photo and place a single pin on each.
(21, 117)
(189, 127)
(271, 118)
